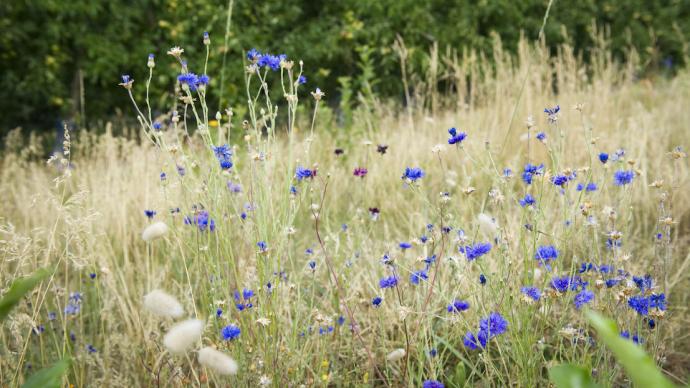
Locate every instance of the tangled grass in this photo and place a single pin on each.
(292, 270)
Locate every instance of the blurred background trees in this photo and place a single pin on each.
(61, 60)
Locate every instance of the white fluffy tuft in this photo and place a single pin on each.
(396, 355)
(154, 231)
(183, 335)
(218, 361)
(163, 304)
(487, 224)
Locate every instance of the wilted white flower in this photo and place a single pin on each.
(317, 94)
(218, 361)
(163, 304)
(176, 52)
(183, 335)
(396, 355)
(154, 231)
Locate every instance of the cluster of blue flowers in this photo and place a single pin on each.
(266, 60)
(193, 81)
(243, 301)
(202, 220)
(489, 327)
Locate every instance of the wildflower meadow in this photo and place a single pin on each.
(525, 226)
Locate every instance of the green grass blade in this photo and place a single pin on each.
(19, 288)
(637, 363)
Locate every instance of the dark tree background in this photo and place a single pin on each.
(54, 54)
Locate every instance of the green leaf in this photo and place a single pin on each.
(571, 376)
(639, 365)
(460, 375)
(19, 288)
(48, 377)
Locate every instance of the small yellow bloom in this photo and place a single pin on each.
(213, 123)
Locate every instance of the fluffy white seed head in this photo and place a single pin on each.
(163, 304)
(396, 355)
(218, 361)
(154, 231)
(487, 224)
(183, 336)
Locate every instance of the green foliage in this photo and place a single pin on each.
(50, 47)
(18, 289)
(48, 377)
(638, 365)
(571, 376)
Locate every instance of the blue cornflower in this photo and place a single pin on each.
(494, 324)
(643, 283)
(52, 316)
(530, 171)
(455, 137)
(546, 253)
(458, 306)
(224, 155)
(640, 304)
(532, 292)
(72, 308)
(432, 384)
(552, 113)
(475, 251)
(622, 177)
(405, 245)
(559, 180)
(230, 332)
(204, 222)
(304, 173)
(163, 176)
(91, 349)
(126, 79)
(612, 282)
(603, 157)
(157, 125)
(92, 275)
(507, 172)
(527, 201)
(605, 268)
(203, 80)
(582, 298)
(189, 79)
(253, 55)
(586, 267)
(263, 247)
(150, 213)
(541, 136)
(561, 284)
(388, 282)
(470, 341)
(181, 170)
(423, 239)
(412, 174)
(591, 186)
(482, 279)
(312, 265)
(657, 301)
(302, 80)
(418, 276)
(376, 301)
(219, 312)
